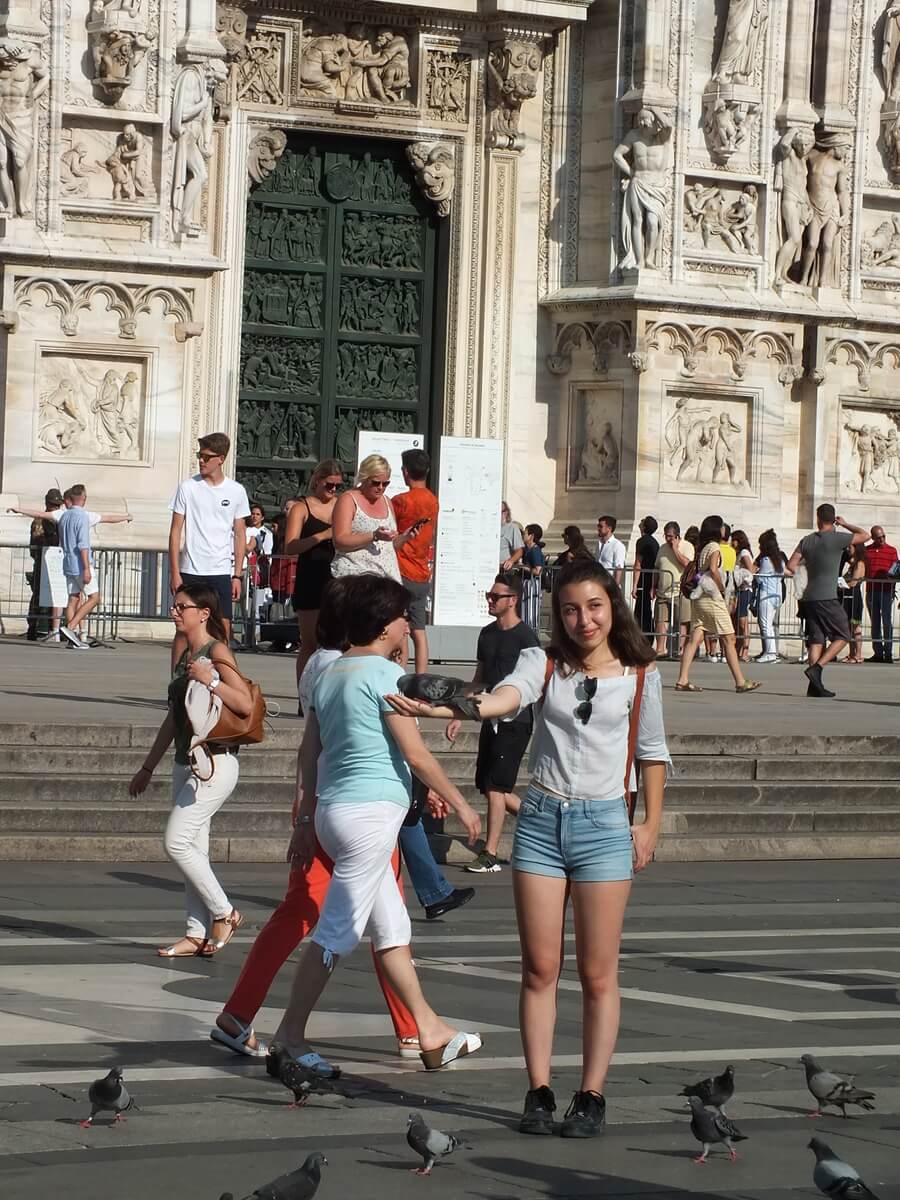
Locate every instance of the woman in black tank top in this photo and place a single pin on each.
(308, 535)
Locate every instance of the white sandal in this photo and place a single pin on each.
(408, 1047)
(458, 1047)
(238, 1041)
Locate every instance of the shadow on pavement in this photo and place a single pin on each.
(161, 884)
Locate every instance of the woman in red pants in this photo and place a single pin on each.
(298, 912)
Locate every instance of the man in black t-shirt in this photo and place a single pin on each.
(645, 551)
(499, 752)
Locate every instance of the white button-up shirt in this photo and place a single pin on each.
(611, 555)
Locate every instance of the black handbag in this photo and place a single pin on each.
(417, 803)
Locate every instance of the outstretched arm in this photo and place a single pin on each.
(115, 518)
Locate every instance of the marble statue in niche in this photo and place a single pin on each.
(600, 453)
(890, 51)
(709, 213)
(115, 54)
(24, 78)
(90, 408)
(703, 445)
(726, 124)
(192, 128)
(828, 189)
(881, 248)
(744, 37)
(355, 66)
(643, 159)
(791, 180)
(870, 452)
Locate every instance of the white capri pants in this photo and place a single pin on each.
(360, 839)
(195, 803)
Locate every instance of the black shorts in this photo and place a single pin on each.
(418, 606)
(500, 755)
(826, 621)
(220, 584)
(742, 609)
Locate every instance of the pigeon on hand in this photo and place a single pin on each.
(431, 1144)
(828, 1088)
(714, 1092)
(836, 1178)
(282, 1065)
(301, 1184)
(711, 1128)
(108, 1095)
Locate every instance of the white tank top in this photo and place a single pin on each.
(375, 558)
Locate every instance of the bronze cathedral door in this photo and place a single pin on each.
(339, 310)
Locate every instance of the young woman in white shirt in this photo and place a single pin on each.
(573, 835)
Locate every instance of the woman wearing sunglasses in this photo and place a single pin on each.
(308, 535)
(211, 920)
(365, 528)
(573, 835)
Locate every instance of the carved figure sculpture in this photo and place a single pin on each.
(355, 66)
(720, 128)
(511, 79)
(192, 129)
(716, 220)
(122, 182)
(723, 449)
(600, 454)
(694, 199)
(257, 71)
(129, 411)
(131, 8)
(890, 51)
(135, 152)
(744, 30)
(679, 426)
(882, 247)
(323, 58)
(115, 54)
(264, 152)
(105, 407)
(742, 218)
(891, 135)
(435, 175)
(23, 80)
(829, 199)
(791, 181)
(863, 442)
(74, 171)
(645, 186)
(447, 83)
(59, 420)
(388, 77)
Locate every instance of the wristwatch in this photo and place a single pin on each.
(215, 683)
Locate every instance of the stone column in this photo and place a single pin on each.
(796, 109)
(21, 18)
(500, 204)
(833, 73)
(650, 58)
(200, 39)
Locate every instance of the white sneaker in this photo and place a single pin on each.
(71, 637)
(767, 658)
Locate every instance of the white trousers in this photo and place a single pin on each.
(360, 839)
(767, 610)
(194, 804)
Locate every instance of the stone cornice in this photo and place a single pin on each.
(483, 15)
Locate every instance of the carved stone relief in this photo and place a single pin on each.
(273, 298)
(91, 407)
(707, 442)
(595, 437)
(890, 78)
(447, 86)
(743, 42)
(869, 451)
(125, 301)
(118, 39)
(433, 163)
(727, 123)
(276, 429)
(378, 372)
(292, 236)
(717, 217)
(392, 241)
(102, 163)
(814, 181)
(355, 63)
(257, 71)
(512, 73)
(349, 421)
(880, 246)
(643, 158)
(280, 365)
(191, 125)
(264, 152)
(389, 305)
(24, 77)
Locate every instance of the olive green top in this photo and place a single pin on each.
(177, 694)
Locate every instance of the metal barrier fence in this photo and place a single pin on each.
(134, 586)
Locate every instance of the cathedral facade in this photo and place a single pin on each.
(653, 245)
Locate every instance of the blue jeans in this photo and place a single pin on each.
(880, 603)
(427, 879)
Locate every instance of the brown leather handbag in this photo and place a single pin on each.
(232, 730)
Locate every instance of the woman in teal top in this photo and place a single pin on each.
(357, 757)
(211, 919)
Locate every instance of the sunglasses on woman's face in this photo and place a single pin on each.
(584, 710)
(378, 483)
(328, 486)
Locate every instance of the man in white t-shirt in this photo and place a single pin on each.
(208, 534)
(610, 551)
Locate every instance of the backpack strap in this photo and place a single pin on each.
(548, 675)
(633, 722)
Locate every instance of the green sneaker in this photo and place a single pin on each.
(484, 863)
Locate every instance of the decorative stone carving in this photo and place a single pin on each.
(24, 78)
(791, 182)
(447, 86)
(128, 302)
(743, 42)
(604, 337)
(91, 407)
(709, 214)
(264, 152)
(643, 159)
(880, 249)
(727, 124)
(257, 70)
(74, 171)
(130, 166)
(433, 163)
(360, 65)
(595, 437)
(870, 451)
(513, 67)
(192, 128)
(864, 355)
(274, 364)
(231, 28)
(706, 442)
(738, 344)
(890, 50)
(828, 188)
(116, 51)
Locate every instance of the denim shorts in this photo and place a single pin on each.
(588, 841)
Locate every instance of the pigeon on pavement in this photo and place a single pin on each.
(828, 1088)
(711, 1128)
(301, 1184)
(833, 1177)
(714, 1092)
(108, 1095)
(282, 1065)
(431, 1144)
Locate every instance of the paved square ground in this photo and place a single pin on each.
(751, 964)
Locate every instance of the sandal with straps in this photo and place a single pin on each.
(234, 921)
(199, 945)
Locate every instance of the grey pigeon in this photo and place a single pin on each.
(431, 1144)
(711, 1129)
(714, 1092)
(833, 1177)
(301, 1184)
(282, 1065)
(828, 1088)
(108, 1094)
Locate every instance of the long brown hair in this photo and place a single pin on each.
(205, 597)
(626, 641)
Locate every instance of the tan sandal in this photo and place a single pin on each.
(199, 945)
(749, 685)
(234, 922)
(687, 687)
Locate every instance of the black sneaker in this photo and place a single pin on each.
(540, 1105)
(457, 898)
(585, 1117)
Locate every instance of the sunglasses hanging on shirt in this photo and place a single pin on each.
(584, 710)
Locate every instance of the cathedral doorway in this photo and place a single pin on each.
(344, 284)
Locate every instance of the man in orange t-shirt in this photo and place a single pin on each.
(417, 507)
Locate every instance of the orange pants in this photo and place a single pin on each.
(288, 925)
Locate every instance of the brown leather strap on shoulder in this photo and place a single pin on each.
(548, 675)
(633, 722)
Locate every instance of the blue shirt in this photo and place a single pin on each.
(768, 580)
(360, 761)
(75, 535)
(534, 557)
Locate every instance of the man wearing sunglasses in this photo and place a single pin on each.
(207, 536)
(500, 750)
